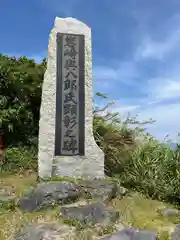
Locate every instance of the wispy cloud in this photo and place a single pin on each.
(166, 116)
(125, 72)
(163, 89)
(125, 109)
(150, 48)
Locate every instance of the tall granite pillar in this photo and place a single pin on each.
(66, 142)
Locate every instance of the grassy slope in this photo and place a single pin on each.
(136, 211)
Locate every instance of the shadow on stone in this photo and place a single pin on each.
(45, 231)
(176, 233)
(132, 234)
(89, 215)
(99, 189)
(49, 194)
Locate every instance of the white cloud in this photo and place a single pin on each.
(125, 109)
(167, 120)
(149, 48)
(166, 116)
(166, 84)
(124, 72)
(162, 89)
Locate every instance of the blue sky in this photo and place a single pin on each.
(136, 50)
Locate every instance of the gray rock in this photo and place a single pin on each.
(43, 231)
(90, 215)
(171, 212)
(121, 191)
(99, 189)
(48, 194)
(176, 233)
(132, 234)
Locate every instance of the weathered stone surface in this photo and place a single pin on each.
(92, 164)
(90, 215)
(176, 233)
(45, 231)
(100, 189)
(121, 191)
(48, 194)
(132, 234)
(171, 212)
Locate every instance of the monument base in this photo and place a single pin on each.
(76, 167)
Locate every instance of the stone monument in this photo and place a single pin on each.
(66, 143)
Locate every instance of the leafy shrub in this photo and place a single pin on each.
(154, 170)
(20, 97)
(20, 158)
(115, 137)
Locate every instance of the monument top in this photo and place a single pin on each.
(69, 19)
(66, 24)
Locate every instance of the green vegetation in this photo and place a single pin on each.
(137, 159)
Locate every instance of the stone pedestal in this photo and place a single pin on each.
(66, 142)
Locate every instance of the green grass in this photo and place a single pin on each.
(143, 213)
